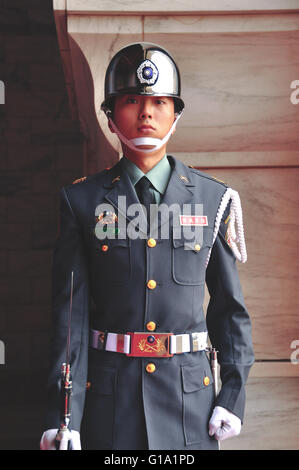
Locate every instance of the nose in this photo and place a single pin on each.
(145, 109)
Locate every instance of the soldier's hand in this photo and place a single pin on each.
(224, 424)
(49, 442)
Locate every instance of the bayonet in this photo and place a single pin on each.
(215, 369)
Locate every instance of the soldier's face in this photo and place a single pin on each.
(144, 116)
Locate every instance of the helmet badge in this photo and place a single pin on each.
(147, 72)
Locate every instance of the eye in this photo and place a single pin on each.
(160, 101)
(131, 100)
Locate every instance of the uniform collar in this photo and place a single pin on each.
(179, 191)
(159, 175)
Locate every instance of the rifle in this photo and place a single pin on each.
(64, 433)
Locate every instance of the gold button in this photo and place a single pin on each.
(206, 381)
(151, 242)
(151, 284)
(104, 247)
(197, 247)
(150, 368)
(88, 385)
(151, 326)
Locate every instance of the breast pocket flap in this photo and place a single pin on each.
(196, 377)
(111, 243)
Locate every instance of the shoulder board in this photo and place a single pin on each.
(79, 180)
(219, 181)
(206, 175)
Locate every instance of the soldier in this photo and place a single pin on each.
(139, 332)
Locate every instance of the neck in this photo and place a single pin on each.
(144, 161)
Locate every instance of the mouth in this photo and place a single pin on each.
(146, 128)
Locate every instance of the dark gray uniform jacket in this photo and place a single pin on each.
(126, 407)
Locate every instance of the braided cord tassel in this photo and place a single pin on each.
(235, 229)
(237, 221)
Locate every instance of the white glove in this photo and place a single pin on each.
(48, 440)
(224, 424)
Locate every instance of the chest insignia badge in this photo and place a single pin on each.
(184, 178)
(107, 217)
(117, 178)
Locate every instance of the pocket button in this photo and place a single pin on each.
(206, 381)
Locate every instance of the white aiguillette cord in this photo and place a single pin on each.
(236, 234)
(134, 144)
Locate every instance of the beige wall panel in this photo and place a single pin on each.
(233, 159)
(59, 4)
(271, 418)
(237, 90)
(237, 23)
(278, 368)
(186, 6)
(270, 201)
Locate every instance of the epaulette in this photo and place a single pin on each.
(220, 181)
(198, 172)
(79, 180)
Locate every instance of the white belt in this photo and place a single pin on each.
(149, 344)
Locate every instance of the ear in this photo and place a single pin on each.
(110, 127)
(175, 117)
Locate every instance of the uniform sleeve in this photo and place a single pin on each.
(228, 324)
(68, 256)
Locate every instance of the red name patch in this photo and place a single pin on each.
(199, 220)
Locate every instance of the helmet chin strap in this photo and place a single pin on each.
(134, 144)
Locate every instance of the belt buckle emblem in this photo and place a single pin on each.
(150, 345)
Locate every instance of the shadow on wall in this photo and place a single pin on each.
(98, 152)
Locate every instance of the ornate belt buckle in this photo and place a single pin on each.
(150, 345)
